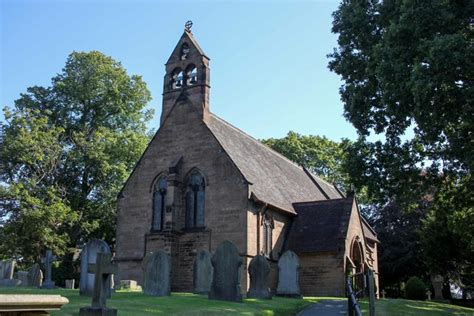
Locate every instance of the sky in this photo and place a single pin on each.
(269, 71)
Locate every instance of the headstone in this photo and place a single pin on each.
(23, 277)
(7, 268)
(226, 262)
(128, 284)
(383, 294)
(428, 294)
(88, 256)
(35, 276)
(102, 269)
(48, 260)
(288, 275)
(437, 282)
(258, 271)
(156, 274)
(202, 276)
(69, 284)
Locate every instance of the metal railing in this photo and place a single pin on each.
(353, 294)
(353, 308)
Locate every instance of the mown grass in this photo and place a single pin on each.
(400, 307)
(135, 303)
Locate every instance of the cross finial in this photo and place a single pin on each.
(188, 25)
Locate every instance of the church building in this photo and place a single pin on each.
(202, 181)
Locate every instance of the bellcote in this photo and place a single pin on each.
(187, 76)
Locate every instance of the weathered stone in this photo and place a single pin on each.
(7, 268)
(69, 284)
(23, 277)
(102, 269)
(288, 275)
(203, 272)
(226, 262)
(128, 284)
(157, 273)
(258, 271)
(437, 282)
(48, 260)
(88, 256)
(26, 304)
(35, 275)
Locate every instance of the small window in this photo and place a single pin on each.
(195, 197)
(267, 235)
(177, 79)
(184, 51)
(191, 75)
(159, 199)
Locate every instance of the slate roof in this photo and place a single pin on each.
(274, 179)
(369, 231)
(320, 225)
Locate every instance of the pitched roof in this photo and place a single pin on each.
(369, 232)
(320, 225)
(274, 178)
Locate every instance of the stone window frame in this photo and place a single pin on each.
(195, 188)
(191, 75)
(177, 80)
(161, 179)
(268, 226)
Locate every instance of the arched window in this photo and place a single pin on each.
(177, 78)
(191, 75)
(159, 195)
(267, 235)
(195, 200)
(184, 51)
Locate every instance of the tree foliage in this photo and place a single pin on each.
(65, 152)
(408, 69)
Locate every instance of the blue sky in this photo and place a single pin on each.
(269, 69)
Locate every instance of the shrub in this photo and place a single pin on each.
(415, 289)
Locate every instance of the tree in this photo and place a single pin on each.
(408, 69)
(66, 150)
(318, 154)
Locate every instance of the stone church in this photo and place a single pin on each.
(202, 181)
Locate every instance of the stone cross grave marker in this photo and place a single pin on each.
(202, 276)
(89, 255)
(226, 278)
(157, 273)
(383, 293)
(102, 269)
(48, 260)
(428, 293)
(258, 271)
(35, 276)
(288, 275)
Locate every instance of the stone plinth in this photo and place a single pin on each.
(39, 304)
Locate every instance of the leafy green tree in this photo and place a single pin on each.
(318, 154)
(65, 152)
(408, 68)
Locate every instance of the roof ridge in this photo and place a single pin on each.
(258, 142)
(323, 201)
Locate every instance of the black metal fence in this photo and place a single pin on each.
(358, 285)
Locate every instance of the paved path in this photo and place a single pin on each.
(326, 308)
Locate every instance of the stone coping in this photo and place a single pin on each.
(31, 302)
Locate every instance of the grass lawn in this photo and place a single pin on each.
(420, 308)
(135, 303)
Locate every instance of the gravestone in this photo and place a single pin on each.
(23, 277)
(88, 256)
(437, 282)
(129, 284)
(202, 276)
(226, 262)
(69, 284)
(258, 271)
(156, 274)
(288, 275)
(48, 260)
(35, 276)
(7, 268)
(102, 269)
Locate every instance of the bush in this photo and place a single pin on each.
(415, 289)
